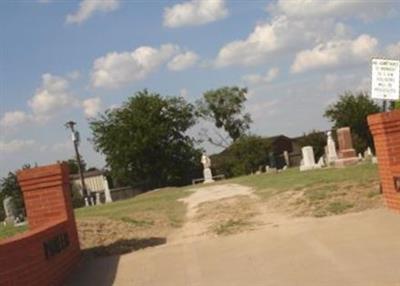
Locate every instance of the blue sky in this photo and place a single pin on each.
(63, 60)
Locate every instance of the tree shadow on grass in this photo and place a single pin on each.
(100, 264)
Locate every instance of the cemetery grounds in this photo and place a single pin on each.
(225, 208)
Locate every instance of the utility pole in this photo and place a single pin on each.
(76, 139)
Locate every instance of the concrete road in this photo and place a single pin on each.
(357, 249)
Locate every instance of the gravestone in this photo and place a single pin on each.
(308, 159)
(331, 155)
(207, 174)
(286, 157)
(347, 154)
(368, 154)
(107, 192)
(98, 200)
(10, 210)
(321, 162)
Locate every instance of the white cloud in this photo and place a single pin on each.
(256, 79)
(15, 145)
(184, 93)
(195, 12)
(183, 61)
(74, 75)
(335, 53)
(393, 50)
(365, 10)
(364, 84)
(88, 7)
(117, 69)
(280, 35)
(53, 95)
(92, 106)
(263, 108)
(14, 118)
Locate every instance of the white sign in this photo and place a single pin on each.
(385, 79)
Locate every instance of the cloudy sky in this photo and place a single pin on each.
(63, 60)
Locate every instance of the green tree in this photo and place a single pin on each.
(317, 140)
(244, 156)
(352, 110)
(73, 166)
(224, 107)
(145, 140)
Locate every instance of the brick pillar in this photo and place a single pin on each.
(47, 196)
(385, 128)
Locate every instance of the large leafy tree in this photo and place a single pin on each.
(224, 107)
(145, 140)
(352, 110)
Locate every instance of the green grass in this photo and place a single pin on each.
(230, 226)
(338, 207)
(9, 230)
(142, 210)
(292, 179)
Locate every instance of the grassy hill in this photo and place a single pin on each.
(151, 217)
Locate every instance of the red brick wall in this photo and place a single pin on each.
(385, 128)
(47, 199)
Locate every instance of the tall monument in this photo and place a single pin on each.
(206, 161)
(331, 149)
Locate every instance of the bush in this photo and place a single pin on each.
(244, 156)
(77, 198)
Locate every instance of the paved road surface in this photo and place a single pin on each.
(360, 249)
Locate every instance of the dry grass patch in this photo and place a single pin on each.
(328, 199)
(132, 224)
(229, 216)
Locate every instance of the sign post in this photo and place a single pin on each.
(385, 80)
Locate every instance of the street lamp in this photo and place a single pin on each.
(76, 140)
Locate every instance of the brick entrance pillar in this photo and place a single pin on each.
(385, 128)
(46, 253)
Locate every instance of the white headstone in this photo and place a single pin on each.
(10, 210)
(286, 157)
(331, 155)
(206, 161)
(321, 162)
(98, 201)
(308, 158)
(207, 175)
(107, 192)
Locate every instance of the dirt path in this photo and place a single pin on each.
(195, 229)
(353, 249)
